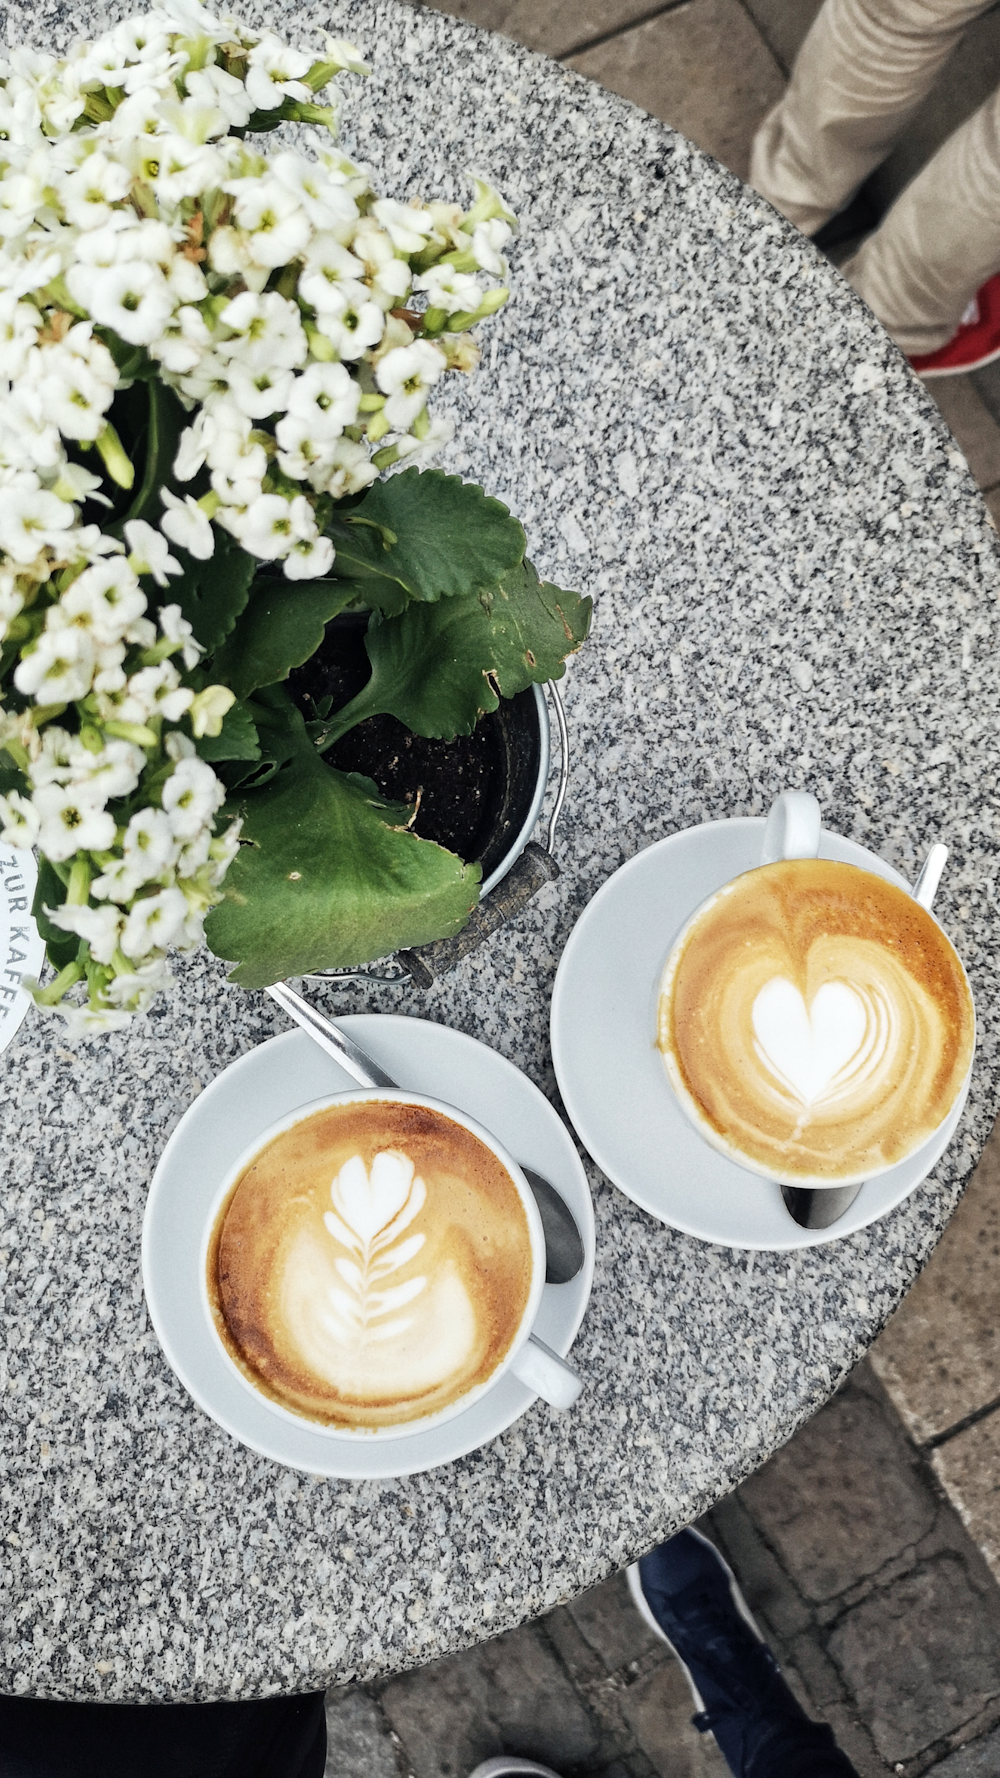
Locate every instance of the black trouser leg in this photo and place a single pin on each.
(263, 1738)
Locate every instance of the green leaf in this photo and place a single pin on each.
(438, 668)
(50, 891)
(11, 776)
(281, 627)
(238, 739)
(331, 878)
(424, 535)
(212, 594)
(166, 422)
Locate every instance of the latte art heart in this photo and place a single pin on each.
(817, 1051)
(371, 1266)
(815, 1022)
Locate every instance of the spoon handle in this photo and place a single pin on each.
(329, 1036)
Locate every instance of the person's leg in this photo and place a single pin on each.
(940, 242)
(862, 71)
(265, 1738)
(688, 1595)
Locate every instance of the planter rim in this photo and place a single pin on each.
(524, 832)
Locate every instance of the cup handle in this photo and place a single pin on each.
(792, 828)
(547, 1374)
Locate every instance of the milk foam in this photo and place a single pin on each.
(362, 1334)
(834, 1047)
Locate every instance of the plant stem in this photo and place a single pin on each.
(52, 995)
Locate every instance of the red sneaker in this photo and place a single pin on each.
(977, 341)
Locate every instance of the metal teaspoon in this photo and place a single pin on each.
(564, 1253)
(820, 1209)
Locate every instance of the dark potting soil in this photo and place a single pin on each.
(458, 787)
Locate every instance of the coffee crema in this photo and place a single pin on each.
(816, 1021)
(371, 1265)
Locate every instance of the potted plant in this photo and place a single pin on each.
(214, 435)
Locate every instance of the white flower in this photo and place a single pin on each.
(275, 72)
(405, 375)
(350, 320)
(149, 848)
(101, 927)
(213, 86)
(133, 298)
(184, 341)
(88, 194)
(59, 669)
(450, 289)
(71, 821)
(29, 518)
(488, 241)
(149, 554)
(106, 599)
(176, 629)
(156, 691)
(327, 264)
(18, 821)
(136, 989)
(327, 205)
(186, 169)
(266, 332)
(271, 526)
(423, 450)
(259, 393)
(276, 225)
(309, 559)
(191, 796)
(352, 469)
(407, 226)
(115, 771)
(186, 524)
(326, 398)
(154, 923)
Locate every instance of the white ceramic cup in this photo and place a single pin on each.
(530, 1360)
(793, 830)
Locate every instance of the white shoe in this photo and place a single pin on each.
(505, 1766)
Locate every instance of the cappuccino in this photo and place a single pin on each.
(815, 1022)
(371, 1266)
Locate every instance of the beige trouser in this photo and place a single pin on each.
(862, 72)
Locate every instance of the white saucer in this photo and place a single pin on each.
(256, 1091)
(610, 1072)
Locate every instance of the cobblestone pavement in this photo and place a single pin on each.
(879, 1605)
(850, 1543)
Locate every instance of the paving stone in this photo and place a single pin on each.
(976, 431)
(921, 1657)
(506, 1696)
(558, 28)
(843, 1498)
(980, 1759)
(764, 1583)
(783, 24)
(658, 1709)
(939, 1356)
(672, 67)
(969, 1468)
(609, 1621)
(358, 1744)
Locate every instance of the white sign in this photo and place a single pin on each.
(21, 950)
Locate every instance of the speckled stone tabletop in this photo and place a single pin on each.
(796, 584)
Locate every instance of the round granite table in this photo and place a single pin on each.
(795, 581)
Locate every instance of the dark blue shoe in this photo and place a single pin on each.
(688, 1595)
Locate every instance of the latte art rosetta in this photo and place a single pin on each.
(815, 1021)
(371, 1265)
